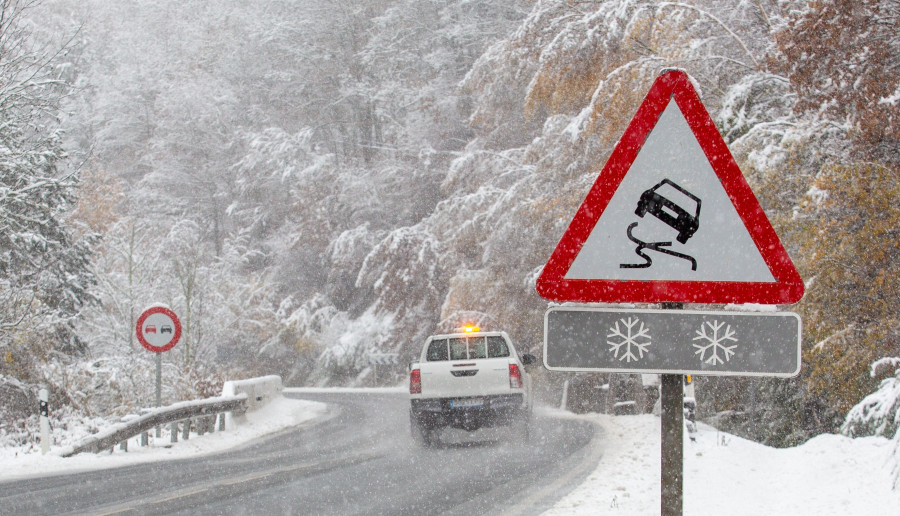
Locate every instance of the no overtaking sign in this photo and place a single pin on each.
(158, 329)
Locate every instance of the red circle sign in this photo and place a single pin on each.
(158, 329)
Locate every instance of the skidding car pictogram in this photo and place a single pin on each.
(653, 201)
(666, 210)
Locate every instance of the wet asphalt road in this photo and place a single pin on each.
(359, 459)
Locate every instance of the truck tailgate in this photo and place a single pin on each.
(485, 376)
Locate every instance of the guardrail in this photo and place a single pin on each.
(203, 412)
(259, 391)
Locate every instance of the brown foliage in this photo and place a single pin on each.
(841, 56)
(851, 257)
(98, 200)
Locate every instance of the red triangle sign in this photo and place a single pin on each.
(671, 218)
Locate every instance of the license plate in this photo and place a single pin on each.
(467, 403)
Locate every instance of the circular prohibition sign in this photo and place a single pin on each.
(158, 329)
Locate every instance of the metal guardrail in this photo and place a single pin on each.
(202, 410)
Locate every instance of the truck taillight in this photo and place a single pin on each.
(515, 377)
(415, 382)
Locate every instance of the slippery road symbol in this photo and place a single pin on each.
(654, 202)
(653, 246)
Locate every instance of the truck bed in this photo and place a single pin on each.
(482, 377)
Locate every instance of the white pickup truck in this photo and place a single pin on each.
(468, 381)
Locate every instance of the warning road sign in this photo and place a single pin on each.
(671, 218)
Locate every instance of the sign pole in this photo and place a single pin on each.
(672, 471)
(158, 387)
(672, 439)
(159, 379)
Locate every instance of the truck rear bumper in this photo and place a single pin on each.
(498, 410)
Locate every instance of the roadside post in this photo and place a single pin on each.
(377, 358)
(158, 330)
(671, 220)
(44, 407)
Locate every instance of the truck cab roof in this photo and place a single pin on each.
(467, 346)
(469, 334)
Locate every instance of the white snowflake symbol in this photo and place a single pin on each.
(716, 342)
(629, 338)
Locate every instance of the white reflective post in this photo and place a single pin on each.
(44, 404)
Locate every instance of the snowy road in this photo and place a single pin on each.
(358, 459)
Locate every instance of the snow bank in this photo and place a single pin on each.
(279, 414)
(724, 474)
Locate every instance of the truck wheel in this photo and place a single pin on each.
(526, 422)
(421, 434)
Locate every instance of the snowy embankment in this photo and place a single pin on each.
(725, 474)
(278, 414)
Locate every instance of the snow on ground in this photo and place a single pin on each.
(279, 414)
(725, 474)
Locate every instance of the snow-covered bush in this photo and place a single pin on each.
(67, 427)
(879, 412)
(116, 385)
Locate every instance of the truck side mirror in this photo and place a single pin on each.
(528, 359)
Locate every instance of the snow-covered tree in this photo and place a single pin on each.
(841, 59)
(407, 260)
(838, 58)
(879, 412)
(44, 274)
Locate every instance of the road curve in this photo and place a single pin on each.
(358, 459)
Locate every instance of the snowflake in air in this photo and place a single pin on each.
(630, 338)
(715, 342)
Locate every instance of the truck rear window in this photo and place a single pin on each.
(467, 348)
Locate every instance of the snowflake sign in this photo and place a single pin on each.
(628, 339)
(714, 342)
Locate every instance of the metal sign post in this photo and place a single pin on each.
(672, 439)
(671, 473)
(159, 379)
